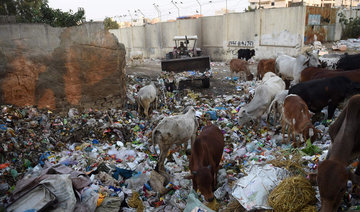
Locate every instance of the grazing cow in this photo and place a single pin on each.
(264, 66)
(329, 92)
(145, 97)
(349, 62)
(333, 174)
(206, 153)
(246, 54)
(320, 73)
(296, 115)
(172, 130)
(310, 73)
(291, 68)
(277, 105)
(264, 94)
(241, 66)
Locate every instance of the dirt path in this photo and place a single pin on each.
(219, 84)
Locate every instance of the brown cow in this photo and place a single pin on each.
(240, 66)
(296, 115)
(265, 65)
(332, 174)
(312, 73)
(206, 153)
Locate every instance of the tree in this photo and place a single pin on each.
(110, 24)
(38, 11)
(249, 9)
(7, 7)
(350, 27)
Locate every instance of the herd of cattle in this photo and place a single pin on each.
(312, 87)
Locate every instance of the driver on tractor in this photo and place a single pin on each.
(182, 49)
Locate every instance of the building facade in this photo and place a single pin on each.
(289, 3)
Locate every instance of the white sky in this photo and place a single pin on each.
(97, 10)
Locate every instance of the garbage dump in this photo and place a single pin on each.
(104, 159)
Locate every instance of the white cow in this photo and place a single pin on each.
(145, 97)
(268, 75)
(277, 104)
(264, 94)
(172, 130)
(290, 68)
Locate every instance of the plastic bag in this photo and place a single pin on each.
(252, 190)
(61, 186)
(36, 199)
(194, 203)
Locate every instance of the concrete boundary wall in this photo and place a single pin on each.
(269, 31)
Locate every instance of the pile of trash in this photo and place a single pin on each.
(104, 160)
(343, 45)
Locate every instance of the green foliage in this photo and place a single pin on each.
(351, 26)
(249, 9)
(7, 7)
(110, 24)
(311, 149)
(38, 11)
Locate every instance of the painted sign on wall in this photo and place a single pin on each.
(240, 43)
(314, 19)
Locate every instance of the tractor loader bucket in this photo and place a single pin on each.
(201, 64)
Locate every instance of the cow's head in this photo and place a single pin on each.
(250, 77)
(332, 180)
(312, 60)
(204, 181)
(244, 117)
(311, 132)
(189, 109)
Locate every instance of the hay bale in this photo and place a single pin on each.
(292, 194)
(309, 208)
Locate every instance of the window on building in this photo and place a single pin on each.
(272, 3)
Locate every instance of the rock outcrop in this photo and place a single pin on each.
(58, 68)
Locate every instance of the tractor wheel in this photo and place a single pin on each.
(206, 83)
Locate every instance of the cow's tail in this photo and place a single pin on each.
(139, 103)
(155, 136)
(270, 108)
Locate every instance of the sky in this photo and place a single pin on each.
(97, 10)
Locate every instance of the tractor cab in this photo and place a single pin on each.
(185, 46)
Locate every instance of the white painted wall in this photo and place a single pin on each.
(269, 31)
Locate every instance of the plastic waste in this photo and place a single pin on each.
(252, 190)
(194, 204)
(138, 181)
(110, 204)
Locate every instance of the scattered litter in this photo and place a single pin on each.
(105, 159)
